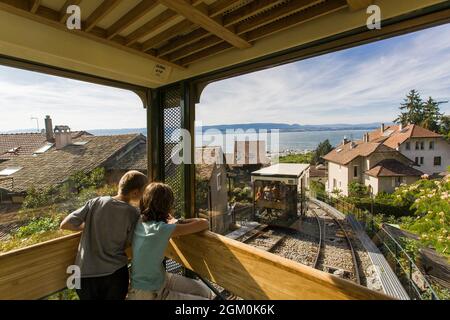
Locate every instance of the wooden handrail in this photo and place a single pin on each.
(40, 270)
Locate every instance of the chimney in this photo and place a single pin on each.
(352, 144)
(366, 137)
(382, 128)
(345, 141)
(63, 137)
(401, 126)
(49, 129)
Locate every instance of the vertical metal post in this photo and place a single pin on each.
(410, 276)
(155, 167)
(187, 104)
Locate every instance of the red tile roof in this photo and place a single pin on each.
(393, 136)
(21, 144)
(344, 154)
(393, 168)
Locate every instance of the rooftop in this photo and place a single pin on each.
(345, 153)
(394, 135)
(25, 144)
(55, 166)
(393, 168)
(283, 169)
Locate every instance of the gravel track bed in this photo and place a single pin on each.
(300, 248)
(336, 257)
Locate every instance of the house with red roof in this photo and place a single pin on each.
(372, 164)
(386, 158)
(429, 150)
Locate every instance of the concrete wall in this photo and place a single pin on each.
(372, 182)
(388, 184)
(340, 174)
(441, 149)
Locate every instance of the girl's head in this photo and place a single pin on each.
(157, 202)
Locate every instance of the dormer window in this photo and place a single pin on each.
(9, 171)
(44, 148)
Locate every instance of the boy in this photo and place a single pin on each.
(107, 224)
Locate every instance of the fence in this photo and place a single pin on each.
(411, 277)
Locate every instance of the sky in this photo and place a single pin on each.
(360, 85)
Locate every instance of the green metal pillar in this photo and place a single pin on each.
(188, 107)
(154, 136)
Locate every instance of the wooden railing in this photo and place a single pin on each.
(40, 270)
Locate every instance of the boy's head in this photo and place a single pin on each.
(132, 185)
(157, 202)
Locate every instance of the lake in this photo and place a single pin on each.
(298, 141)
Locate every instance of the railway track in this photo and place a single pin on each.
(320, 244)
(327, 246)
(334, 234)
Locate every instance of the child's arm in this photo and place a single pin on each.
(75, 220)
(190, 226)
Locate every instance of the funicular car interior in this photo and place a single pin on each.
(167, 52)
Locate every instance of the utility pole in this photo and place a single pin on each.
(37, 122)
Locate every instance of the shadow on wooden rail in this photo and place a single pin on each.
(40, 270)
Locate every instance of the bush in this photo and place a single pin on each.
(356, 189)
(317, 187)
(381, 206)
(38, 198)
(243, 195)
(429, 201)
(38, 226)
(297, 158)
(81, 180)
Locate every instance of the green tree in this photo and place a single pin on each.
(297, 158)
(445, 127)
(411, 109)
(356, 189)
(431, 115)
(323, 148)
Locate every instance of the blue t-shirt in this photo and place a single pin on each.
(149, 244)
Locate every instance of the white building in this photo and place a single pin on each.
(429, 150)
(372, 164)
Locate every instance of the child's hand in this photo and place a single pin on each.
(172, 220)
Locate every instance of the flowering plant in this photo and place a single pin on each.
(430, 201)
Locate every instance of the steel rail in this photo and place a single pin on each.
(320, 245)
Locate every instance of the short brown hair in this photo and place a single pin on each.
(132, 180)
(157, 202)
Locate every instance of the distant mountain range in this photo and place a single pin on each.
(282, 127)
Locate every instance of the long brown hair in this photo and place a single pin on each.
(157, 202)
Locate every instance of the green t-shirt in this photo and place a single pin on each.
(149, 244)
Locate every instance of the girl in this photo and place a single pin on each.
(149, 280)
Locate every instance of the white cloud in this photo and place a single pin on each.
(364, 84)
(78, 104)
